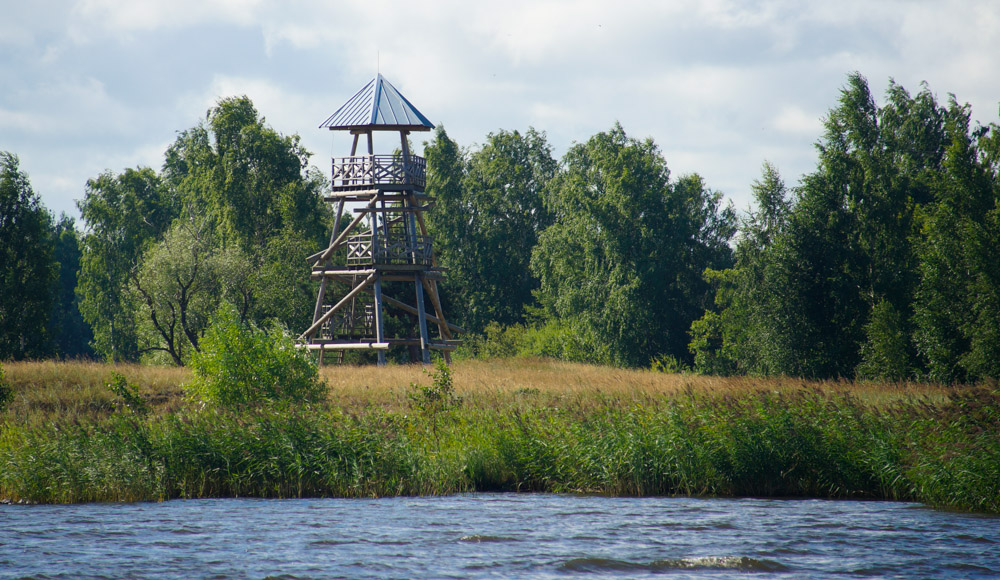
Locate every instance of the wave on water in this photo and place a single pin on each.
(974, 539)
(330, 542)
(700, 527)
(480, 538)
(971, 568)
(738, 563)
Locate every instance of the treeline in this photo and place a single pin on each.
(598, 258)
(881, 263)
(39, 262)
(229, 218)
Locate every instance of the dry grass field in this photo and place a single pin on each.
(49, 388)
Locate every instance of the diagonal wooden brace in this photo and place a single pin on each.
(320, 256)
(343, 302)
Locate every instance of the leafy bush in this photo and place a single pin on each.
(495, 341)
(666, 363)
(551, 339)
(440, 395)
(241, 364)
(128, 395)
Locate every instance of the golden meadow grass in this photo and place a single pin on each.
(79, 386)
(518, 425)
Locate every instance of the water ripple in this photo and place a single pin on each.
(481, 536)
(737, 563)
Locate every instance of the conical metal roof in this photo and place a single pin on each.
(380, 107)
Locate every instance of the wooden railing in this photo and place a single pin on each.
(370, 170)
(397, 251)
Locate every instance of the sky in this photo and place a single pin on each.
(721, 86)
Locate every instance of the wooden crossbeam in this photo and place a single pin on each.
(392, 209)
(433, 344)
(410, 309)
(348, 346)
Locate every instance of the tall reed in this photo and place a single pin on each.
(804, 441)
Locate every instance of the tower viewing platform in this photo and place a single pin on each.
(382, 172)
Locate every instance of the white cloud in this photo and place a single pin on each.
(719, 84)
(26, 122)
(796, 121)
(130, 16)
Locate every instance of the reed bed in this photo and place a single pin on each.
(513, 425)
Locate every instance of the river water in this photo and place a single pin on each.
(496, 536)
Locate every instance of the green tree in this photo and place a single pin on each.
(180, 284)
(957, 305)
(255, 186)
(251, 180)
(71, 335)
(27, 269)
(884, 267)
(447, 223)
(621, 265)
(736, 335)
(280, 287)
(124, 215)
(886, 353)
(489, 214)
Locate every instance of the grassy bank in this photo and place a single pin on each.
(521, 425)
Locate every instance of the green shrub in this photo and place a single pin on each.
(241, 364)
(666, 363)
(495, 341)
(128, 395)
(440, 395)
(564, 341)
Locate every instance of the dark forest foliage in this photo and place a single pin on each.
(884, 263)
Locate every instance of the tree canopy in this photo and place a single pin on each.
(489, 214)
(28, 270)
(230, 218)
(884, 264)
(622, 262)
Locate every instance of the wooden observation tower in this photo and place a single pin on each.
(388, 262)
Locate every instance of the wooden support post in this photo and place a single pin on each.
(379, 329)
(422, 319)
(379, 325)
(443, 325)
(405, 148)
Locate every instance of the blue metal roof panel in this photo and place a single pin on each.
(378, 105)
